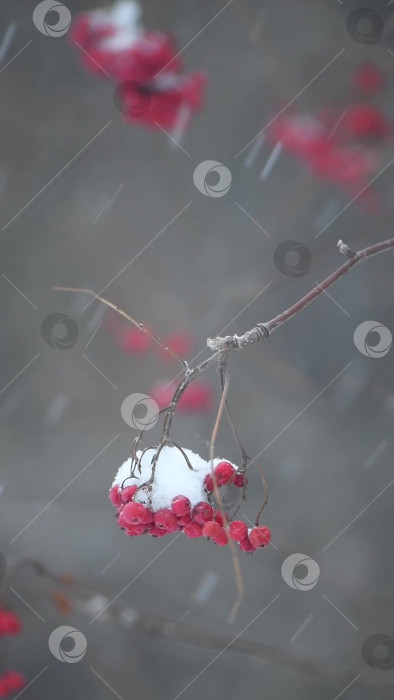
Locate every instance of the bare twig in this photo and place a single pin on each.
(263, 330)
(132, 320)
(237, 567)
(265, 487)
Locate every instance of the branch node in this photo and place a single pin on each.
(262, 330)
(229, 342)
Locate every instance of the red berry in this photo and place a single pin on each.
(148, 517)
(211, 529)
(128, 493)
(238, 530)
(220, 518)
(224, 472)
(239, 480)
(246, 545)
(166, 520)
(215, 532)
(134, 513)
(193, 530)
(260, 536)
(136, 529)
(184, 520)
(156, 531)
(222, 538)
(208, 483)
(115, 497)
(122, 522)
(202, 512)
(180, 506)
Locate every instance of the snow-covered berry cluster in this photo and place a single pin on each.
(179, 496)
(10, 681)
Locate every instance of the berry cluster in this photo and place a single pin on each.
(194, 519)
(10, 681)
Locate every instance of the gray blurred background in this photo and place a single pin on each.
(319, 411)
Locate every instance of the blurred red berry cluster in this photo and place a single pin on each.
(10, 681)
(152, 87)
(198, 396)
(338, 144)
(200, 520)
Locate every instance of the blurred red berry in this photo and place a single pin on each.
(197, 397)
(180, 506)
(260, 536)
(238, 530)
(9, 623)
(165, 519)
(366, 120)
(134, 342)
(224, 472)
(180, 342)
(369, 78)
(13, 680)
(202, 512)
(128, 493)
(346, 165)
(134, 513)
(194, 530)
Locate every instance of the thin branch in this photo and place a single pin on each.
(223, 372)
(237, 566)
(265, 487)
(132, 320)
(263, 330)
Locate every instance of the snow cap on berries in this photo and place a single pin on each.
(172, 477)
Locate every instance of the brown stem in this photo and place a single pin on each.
(263, 330)
(132, 320)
